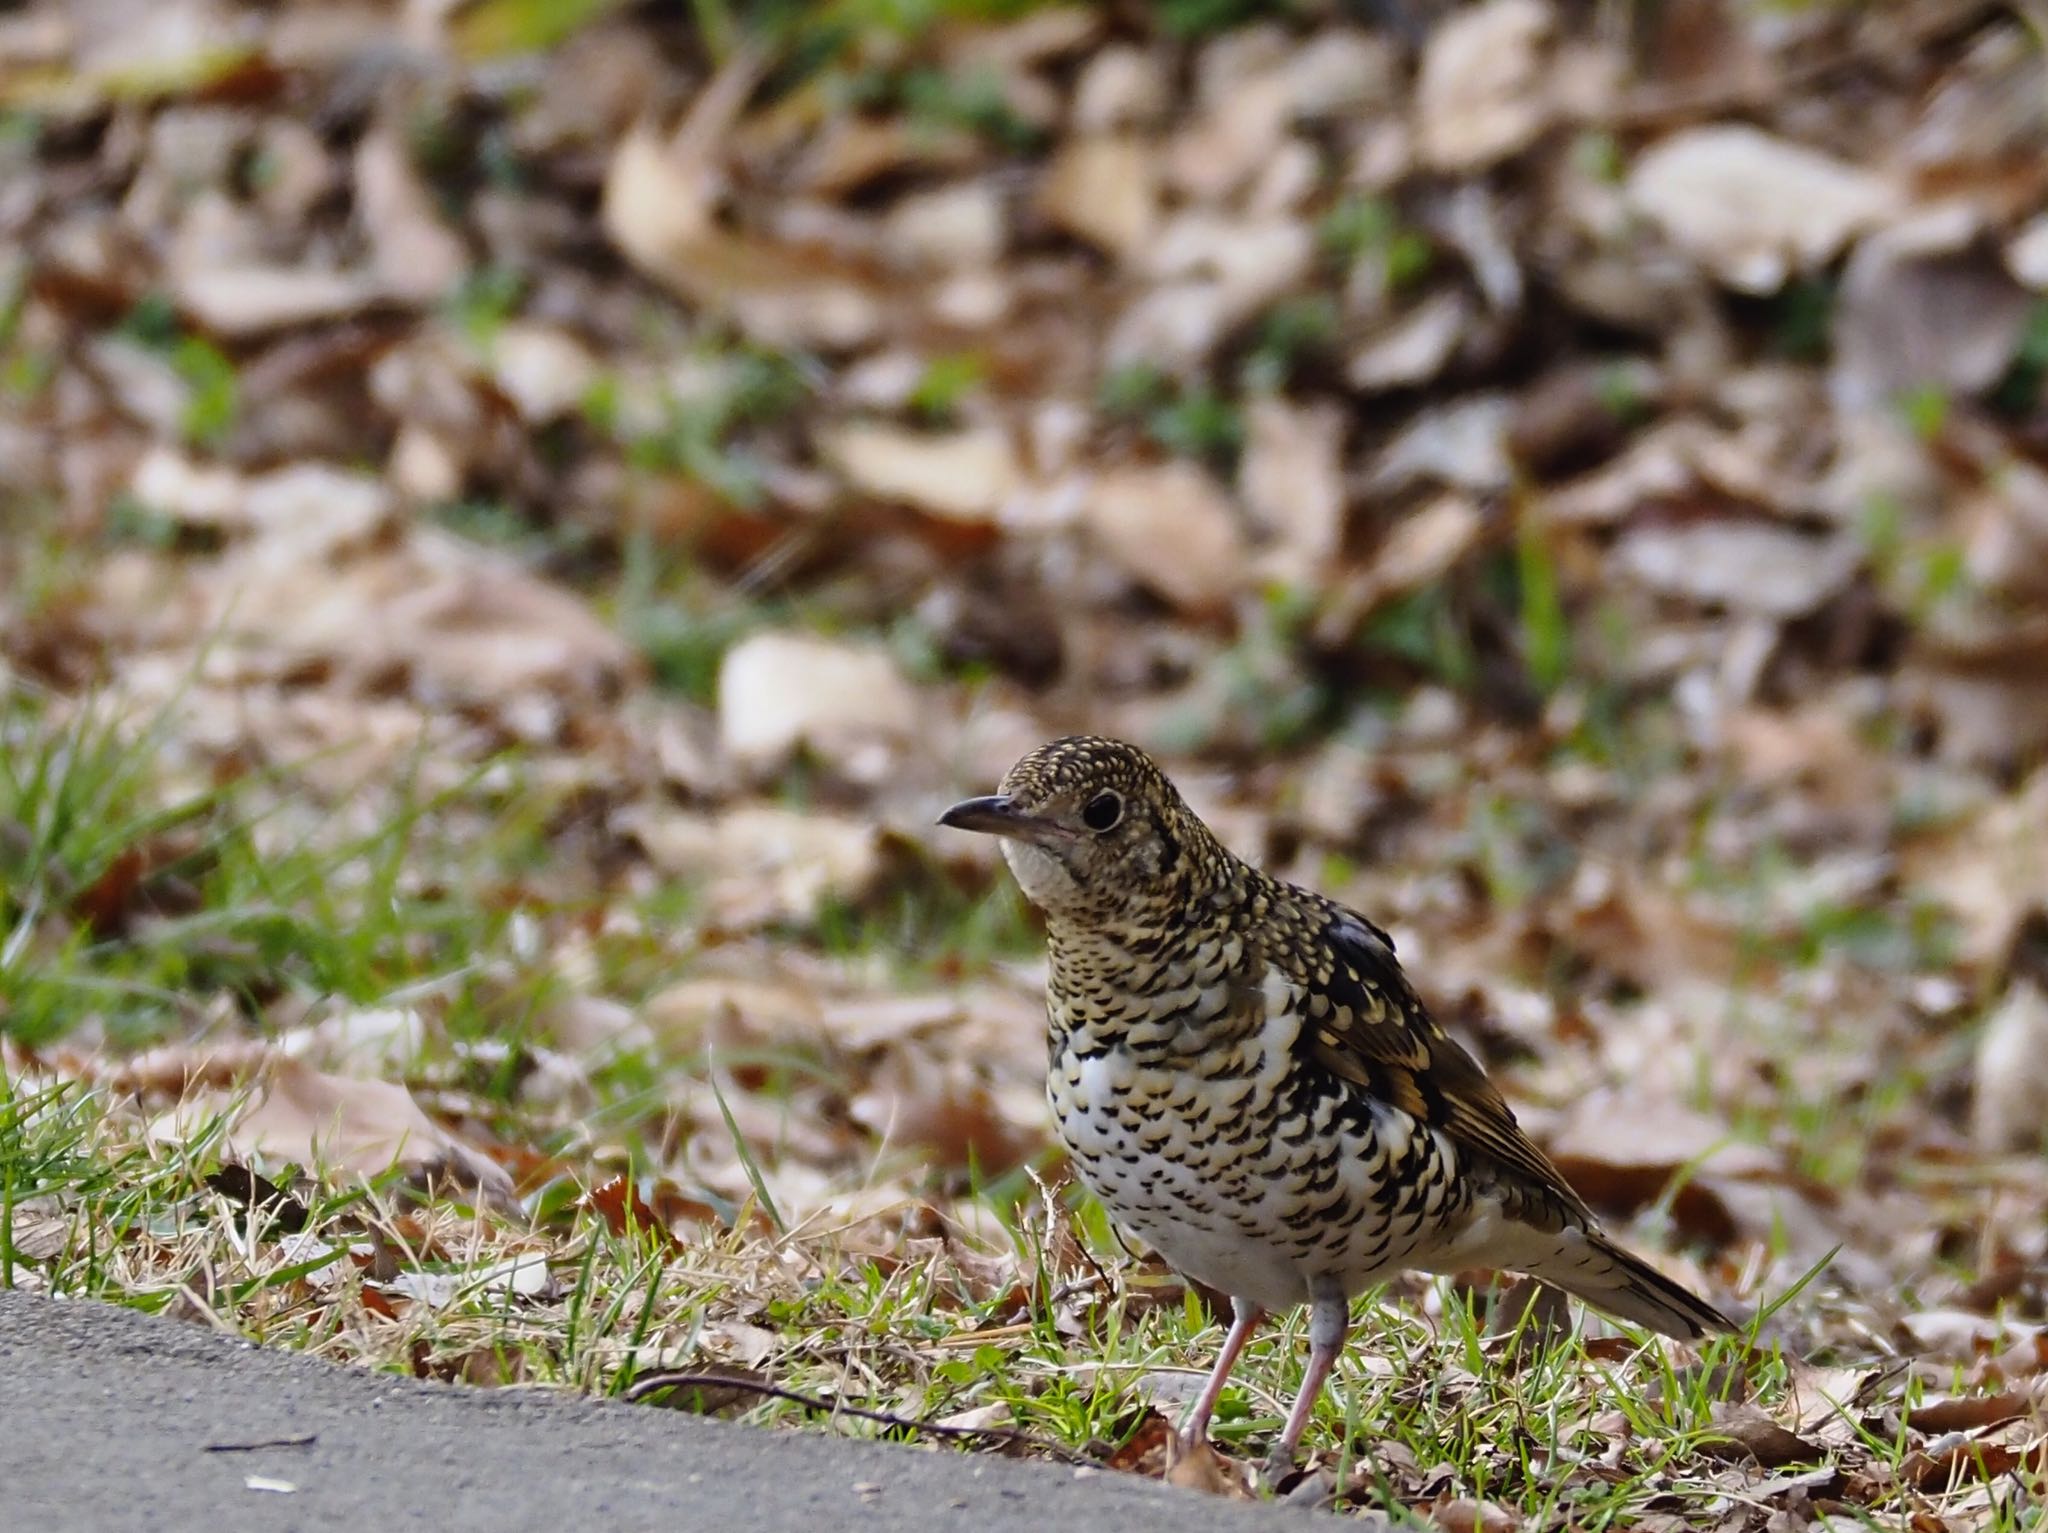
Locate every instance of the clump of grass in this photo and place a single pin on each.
(213, 391)
(1188, 420)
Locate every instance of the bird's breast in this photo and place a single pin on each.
(1189, 1111)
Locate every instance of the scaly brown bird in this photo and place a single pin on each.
(1243, 1075)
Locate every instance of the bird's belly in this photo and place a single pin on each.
(1246, 1199)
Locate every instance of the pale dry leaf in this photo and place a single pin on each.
(1659, 464)
(1121, 86)
(546, 372)
(978, 1418)
(249, 302)
(761, 866)
(661, 191)
(948, 227)
(1172, 529)
(1342, 72)
(1482, 93)
(1251, 260)
(1291, 480)
(1466, 1514)
(1820, 1402)
(850, 152)
(2010, 1110)
(526, 1276)
(594, 1027)
(1961, 1335)
(2026, 254)
(657, 200)
(848, 704)
(964, 475)
(458, 622)
(946, 1111)
(1173, 325)
(999, 1024)
(1925, 303)
(367, 1041)
(1104, 190)
(40, 1235)
(1238, 134)
(1413, 348)
(1991, 870)
(660, 211)
(415, 255)
(1628, 1132)
(1747, 566)
(727, 1010)
(1754, 209)
(1462, 446)
(334, 1123)
(1200, 1467)
(1420, 549)
(423, 468)
(197, 494)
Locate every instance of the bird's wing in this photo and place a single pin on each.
(1365, 1024)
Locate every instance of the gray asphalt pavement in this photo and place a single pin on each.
(109, 1420)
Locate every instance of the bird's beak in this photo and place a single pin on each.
(997, 815)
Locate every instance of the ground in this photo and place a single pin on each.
(520, 516)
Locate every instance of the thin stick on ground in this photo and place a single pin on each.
(654, 1383)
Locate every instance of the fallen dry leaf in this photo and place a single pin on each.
(415, 255)
(1465, 1514)
(780, 693)
(2010, 1110)
(1171, 529)
(336, 1124)
(1745, 1431)
(1104, 190)
(962, 475)
(1202, 1468)
(760, 866)
(1925, 303)
(1753, 208)
(1751, 566)
(1292, 483)
(1991, 869)
(1969, 1413)
(1482, 94)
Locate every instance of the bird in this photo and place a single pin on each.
(1243, 1075)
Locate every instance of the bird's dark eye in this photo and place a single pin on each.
(1103, 811)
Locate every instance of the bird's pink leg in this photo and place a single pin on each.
(1328, 1322)
(1245, 1318)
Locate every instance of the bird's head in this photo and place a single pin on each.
(1093, 831)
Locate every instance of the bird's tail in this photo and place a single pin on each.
(1597, 1270)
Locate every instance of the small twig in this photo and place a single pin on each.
(270, 1442)
(652, 1383)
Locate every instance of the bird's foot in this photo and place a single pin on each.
(1278, 1466)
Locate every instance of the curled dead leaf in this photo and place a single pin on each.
(1467, 1514)
(1745, 1431)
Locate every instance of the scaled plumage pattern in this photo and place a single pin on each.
(1243, 1075)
